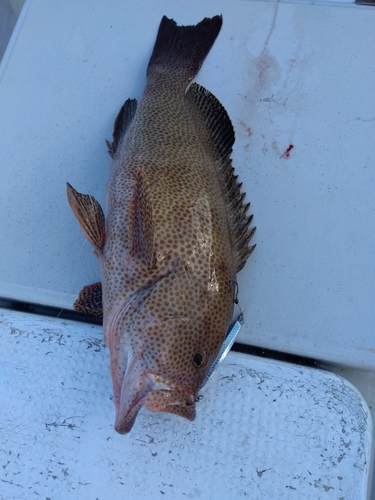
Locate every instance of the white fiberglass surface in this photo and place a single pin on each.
(297, 82)
(264, 429)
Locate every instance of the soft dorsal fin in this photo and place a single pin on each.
(219, 127)
(141, 227)
(90, 216)
(122, 122)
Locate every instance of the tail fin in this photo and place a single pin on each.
(184, 48)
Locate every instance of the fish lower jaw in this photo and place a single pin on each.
(162, 397)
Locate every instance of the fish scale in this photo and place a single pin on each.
(175, 234)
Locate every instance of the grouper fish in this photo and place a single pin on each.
(175, 235)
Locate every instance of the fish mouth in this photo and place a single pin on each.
(153, 392)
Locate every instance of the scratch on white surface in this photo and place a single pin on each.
(267, 429)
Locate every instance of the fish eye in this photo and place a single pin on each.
(200, 359)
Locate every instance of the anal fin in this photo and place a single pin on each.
(90, 216)
(122, 122)
(141, 221)
(90, 301)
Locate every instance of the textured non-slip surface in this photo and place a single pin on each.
(264, 429)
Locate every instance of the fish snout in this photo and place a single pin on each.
(156, 394)
(171, 401)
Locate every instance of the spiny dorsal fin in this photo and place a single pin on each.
(90, 301)
(90, 216)
(220, 130)
(122, 122)
(141, 228)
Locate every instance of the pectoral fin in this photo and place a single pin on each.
(90, 301)
(90, 216)
(141, 230)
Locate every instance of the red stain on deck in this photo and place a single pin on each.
(247, 129)
(286, 153)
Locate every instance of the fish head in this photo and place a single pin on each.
(166, 345)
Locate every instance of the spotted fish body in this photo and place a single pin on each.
(175, 235)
